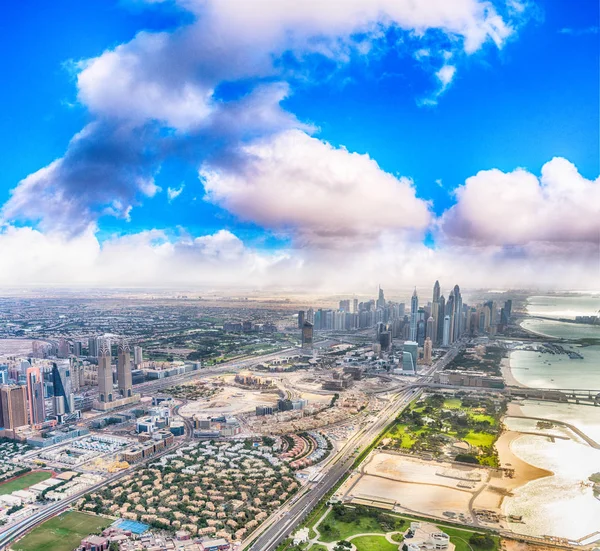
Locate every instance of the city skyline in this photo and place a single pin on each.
(369, 144)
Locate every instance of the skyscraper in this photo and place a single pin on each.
(105, 379)
(435, 312)
(450, 312)
(427, 351)
(13, 406)
(307, 336)
(430, 328)
(124, 370)
(414, 309)
(440, 319)
(35, 395)
(436, 292)
(138, 357)
(93, 346)
(380, 299)
(458, 314)
(64, 399)
(446, 332)
(413, 349)
(301, 315)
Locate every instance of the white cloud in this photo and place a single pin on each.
(445, 75)
(173, 193)
(154, 96)
(320, 194)
(519, 208)
(221, 261)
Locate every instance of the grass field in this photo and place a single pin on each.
(460, 538)
(24, 481)
(374, 543)
(480, 439)
(62, 533)
(342, 530)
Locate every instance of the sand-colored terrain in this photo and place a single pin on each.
(507, 373)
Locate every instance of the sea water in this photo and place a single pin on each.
(562, 505)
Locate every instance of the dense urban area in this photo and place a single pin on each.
(189, 423)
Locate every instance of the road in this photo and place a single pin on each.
(10, 535)
(298, 509)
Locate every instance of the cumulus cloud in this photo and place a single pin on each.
(295, 183)
(158, 95)
(106, 170)
(520, 208)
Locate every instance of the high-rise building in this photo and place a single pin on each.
(407, 362)
(446, 331)
(64, 399)
(105, 378)
(436, 292)
(458, 314)
(427, 351)
(93, 345)
(421, 328)
(413, 349)
(435, 314)
(307, 335)
(380, 299)
(414, 309)
(138, 357)
(77, 348)
(450, 312)
(124, 370)
(35, 395)
(13, 406)
(440, 319)
(64, 348)
(355, 306)
(301, 317)
(430, 328)
(310, 316)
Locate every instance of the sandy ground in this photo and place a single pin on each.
(509, 378)
(425, 498)
(231, 401)
(405, 469)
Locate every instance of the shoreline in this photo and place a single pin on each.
(507, 374)
(523, 472)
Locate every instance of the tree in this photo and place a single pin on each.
(467, 458)
(482, 541)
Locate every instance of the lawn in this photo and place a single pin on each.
(341, 530)
(460, 538)
(480, 439)
(453, 403)
(24, 481)
(62, 533)
(373, 543)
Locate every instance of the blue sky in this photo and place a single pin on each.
(514, 105)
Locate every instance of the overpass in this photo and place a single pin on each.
(585, 396)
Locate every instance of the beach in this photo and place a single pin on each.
(507, 373)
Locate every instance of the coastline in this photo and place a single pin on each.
(523, 472)
(507, 374)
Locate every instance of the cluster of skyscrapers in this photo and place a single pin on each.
(440, 321)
